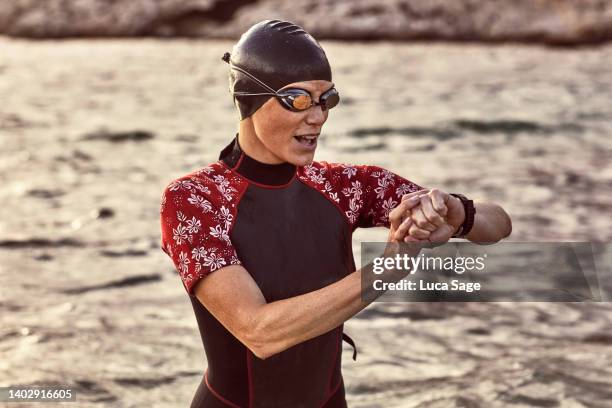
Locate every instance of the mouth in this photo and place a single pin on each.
(307, 140)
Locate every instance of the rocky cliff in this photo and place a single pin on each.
(562, 22)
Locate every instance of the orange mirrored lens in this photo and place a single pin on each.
(301, 102)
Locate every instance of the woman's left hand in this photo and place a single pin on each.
(435, 219)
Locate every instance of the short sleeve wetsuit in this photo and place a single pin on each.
(291, 228)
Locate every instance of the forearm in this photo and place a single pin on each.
(285, 323)
(491, 223)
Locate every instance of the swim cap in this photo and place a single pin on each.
(277, 53)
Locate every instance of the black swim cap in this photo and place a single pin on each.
(277, 53)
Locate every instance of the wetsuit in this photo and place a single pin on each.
(291, 228)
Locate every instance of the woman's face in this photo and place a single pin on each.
(291, 136)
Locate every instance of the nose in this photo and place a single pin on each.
(316, 116)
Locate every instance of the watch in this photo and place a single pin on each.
(470, 212)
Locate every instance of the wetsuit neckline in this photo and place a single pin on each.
(254, 170)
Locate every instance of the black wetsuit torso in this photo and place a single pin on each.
(290, 228)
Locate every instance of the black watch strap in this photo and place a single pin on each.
(470, 213)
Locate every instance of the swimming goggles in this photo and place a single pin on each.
(293, 99)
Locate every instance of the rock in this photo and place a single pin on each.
(569, 22)
(45, 193)
(104, 212)
(546, 21)
(43, 257)
(121, 283)
(117, 137)
(70, 18)
(127, 253)
(35, 242)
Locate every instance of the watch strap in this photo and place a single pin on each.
(470, 213)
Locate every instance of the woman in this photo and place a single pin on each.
(262, 237)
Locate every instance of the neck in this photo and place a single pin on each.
(252, 146)
(266, 174)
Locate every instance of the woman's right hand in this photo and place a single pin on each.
(400, 219)
(400, 222)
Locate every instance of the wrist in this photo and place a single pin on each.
(468, 214)
(459, 225)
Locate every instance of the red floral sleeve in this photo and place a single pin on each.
(195, 225)
(364, 194)
(382, 192)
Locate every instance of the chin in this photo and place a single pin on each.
(301, 159)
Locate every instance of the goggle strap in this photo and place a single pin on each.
(254, 94)
(226, 58)
(251, 76)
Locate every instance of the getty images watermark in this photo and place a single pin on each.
(411, 264)
(505, 271)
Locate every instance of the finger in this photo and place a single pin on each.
(418, 217)
(397, 215)
(417, 232)
(431, 214)
(438, 200)
(419, 192)
(409, 238)
(402, 230)
(442, 234)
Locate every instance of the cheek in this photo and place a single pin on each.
(293, 122)
(277, 122)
